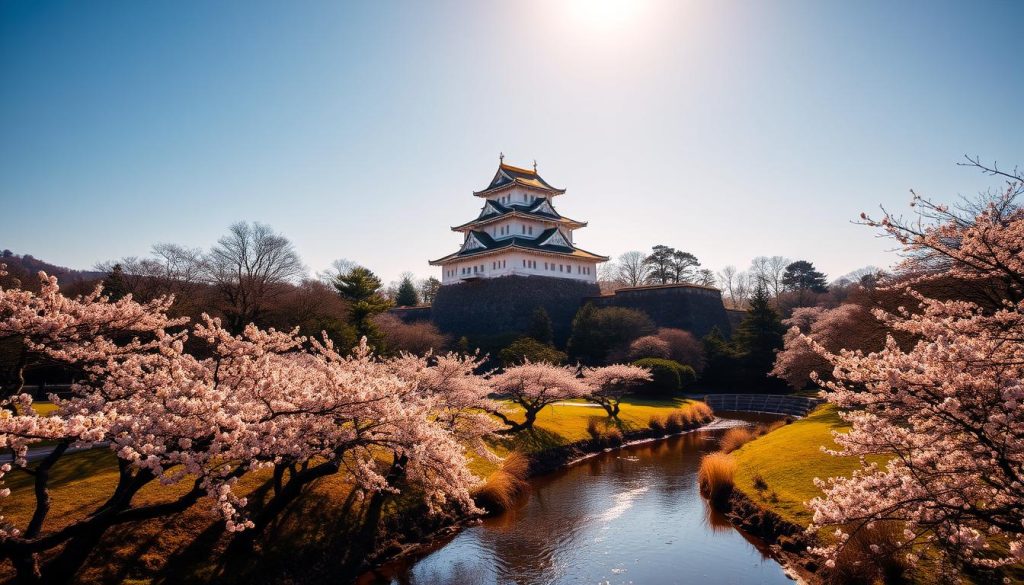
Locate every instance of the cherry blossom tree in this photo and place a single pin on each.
(947, 412)
(532, 386)
(611, 383)
(259, 399)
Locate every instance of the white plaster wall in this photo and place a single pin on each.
(490, 267)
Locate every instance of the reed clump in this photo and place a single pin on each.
(689, 416)
(716, 477)
(605, 434)
(735, 438)
(503, 487)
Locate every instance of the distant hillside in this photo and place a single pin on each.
(25, 266)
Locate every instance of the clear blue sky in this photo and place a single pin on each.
(728, 129)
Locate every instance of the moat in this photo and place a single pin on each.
(629, 516)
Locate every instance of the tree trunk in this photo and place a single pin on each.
(26, 566)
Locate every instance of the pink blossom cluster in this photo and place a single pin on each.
(947, 413)
(228, 405)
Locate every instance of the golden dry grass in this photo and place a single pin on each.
(735, 438)
(503, 487)
(716, 476)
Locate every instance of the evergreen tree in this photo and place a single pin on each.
(540, 327)
(757, 339)
(114, 286)
(361, 288)
(721, 364)
(407, 295)
(660, 262)
(802, 276)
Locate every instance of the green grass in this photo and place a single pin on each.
(562, 424)
(789, 459)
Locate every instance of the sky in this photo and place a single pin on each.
(727, 129)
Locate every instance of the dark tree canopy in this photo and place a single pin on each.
(802, 276)
(596, 332)
(361, 287)
(114, 286)
(428, 290)
(529, 349)
(668, 265)
(407, 295)
(540, 327)
(757, 339)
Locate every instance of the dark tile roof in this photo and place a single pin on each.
(494, 210)
(508, 174)
(490, 244)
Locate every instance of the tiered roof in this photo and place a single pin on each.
(550, 241)
(540, 209)
(510, 176)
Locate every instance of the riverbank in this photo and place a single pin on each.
(547, 452)
(316, 532)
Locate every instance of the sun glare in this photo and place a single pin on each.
(604, 14)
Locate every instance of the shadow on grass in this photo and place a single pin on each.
(535, 439)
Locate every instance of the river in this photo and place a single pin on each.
(628, 516)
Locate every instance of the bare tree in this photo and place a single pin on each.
(632, 268)
(769, 270)
(170, 270)
(727, 282)
(704, 277)
(248, 267)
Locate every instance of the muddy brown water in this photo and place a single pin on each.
(628, 516)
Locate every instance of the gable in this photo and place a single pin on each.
(556, 239)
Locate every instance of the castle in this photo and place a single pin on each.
(518, 233)
(519, 254)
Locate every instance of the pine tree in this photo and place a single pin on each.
(114, 286)
(720, 361)
(757, 339)
(407, 295)
(361, 288)
(540, 327)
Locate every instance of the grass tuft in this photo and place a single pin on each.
(715, 477)
(503, 487)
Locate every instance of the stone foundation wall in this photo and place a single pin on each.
(503, 307)
(696, 309)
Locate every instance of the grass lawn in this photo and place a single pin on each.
(564, 423)
(789, 459)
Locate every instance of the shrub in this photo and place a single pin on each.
(715, 477)
(666, 375)
(648, 346)
(416, 338)
(529, 349)
(598, 331)
(604, 434)
(505, 485)
(683, 347)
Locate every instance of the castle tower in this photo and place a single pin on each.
(518, 233)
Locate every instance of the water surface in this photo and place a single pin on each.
(629, 516)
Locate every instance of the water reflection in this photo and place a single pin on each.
(627, 516)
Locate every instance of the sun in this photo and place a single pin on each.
(604, 14)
